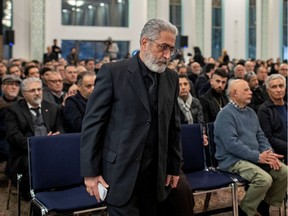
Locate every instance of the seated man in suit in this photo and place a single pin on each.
(75, 105)
(241, 147)
(25, 118)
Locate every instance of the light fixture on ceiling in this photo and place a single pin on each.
(76, 3)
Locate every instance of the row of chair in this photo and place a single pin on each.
(56, 184)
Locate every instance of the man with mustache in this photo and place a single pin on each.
(131, 130)
(214, 99)
(28, 117)
(242, 148)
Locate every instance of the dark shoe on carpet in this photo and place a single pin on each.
(263, 208)
(241, 212)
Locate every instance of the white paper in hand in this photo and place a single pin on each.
(102, 191)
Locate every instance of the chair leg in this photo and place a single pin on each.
(8, 194)
(234, 191)
(206, 202)
(19, 177)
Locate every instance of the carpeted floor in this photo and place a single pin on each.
(218, 199)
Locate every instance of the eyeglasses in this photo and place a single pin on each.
(11, 84)
(55, 81)
(33, 91)
(165, 48)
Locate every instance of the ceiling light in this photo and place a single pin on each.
(76, 3)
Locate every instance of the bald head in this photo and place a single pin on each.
(239, 92)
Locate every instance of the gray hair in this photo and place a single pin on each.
(273, 77)
(28, 81)
(231, 83)
(154, 27)
(81, 76)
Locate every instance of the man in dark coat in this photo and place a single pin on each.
(75, 106)
(272, 114)
(214, 99)
(25, 118)
(10, 90)
(131, 131)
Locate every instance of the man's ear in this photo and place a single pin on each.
(144, 43)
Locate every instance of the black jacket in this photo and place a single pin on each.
(210, 104)
(74, 112)
(273, 127)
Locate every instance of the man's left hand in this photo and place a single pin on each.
(172, 181)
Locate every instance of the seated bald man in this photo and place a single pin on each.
(241, 147)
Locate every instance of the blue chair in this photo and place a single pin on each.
(202, 180)
(212, 150)
(55, 182)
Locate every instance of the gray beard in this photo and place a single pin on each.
(151, 63)
(38, 101)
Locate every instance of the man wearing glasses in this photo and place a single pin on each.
(131, 130)
(28, 117)
(10, 89)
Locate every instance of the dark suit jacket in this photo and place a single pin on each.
(19, 124)
(74, 112)
(116, 126)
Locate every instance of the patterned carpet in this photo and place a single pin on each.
(218, 200)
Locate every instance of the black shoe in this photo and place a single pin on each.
(263, 208)
(26, 196)
(241, 212)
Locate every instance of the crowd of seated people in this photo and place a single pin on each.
(64, 89)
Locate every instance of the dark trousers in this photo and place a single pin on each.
(180, 200)
(143, 201)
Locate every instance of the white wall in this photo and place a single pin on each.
(188, 24)
(21, 26)
(274, 25)
(163, 9)
(235, 28)
(54, 29)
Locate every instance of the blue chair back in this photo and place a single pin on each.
(212, 146)
(54, 161)
(192, 147)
